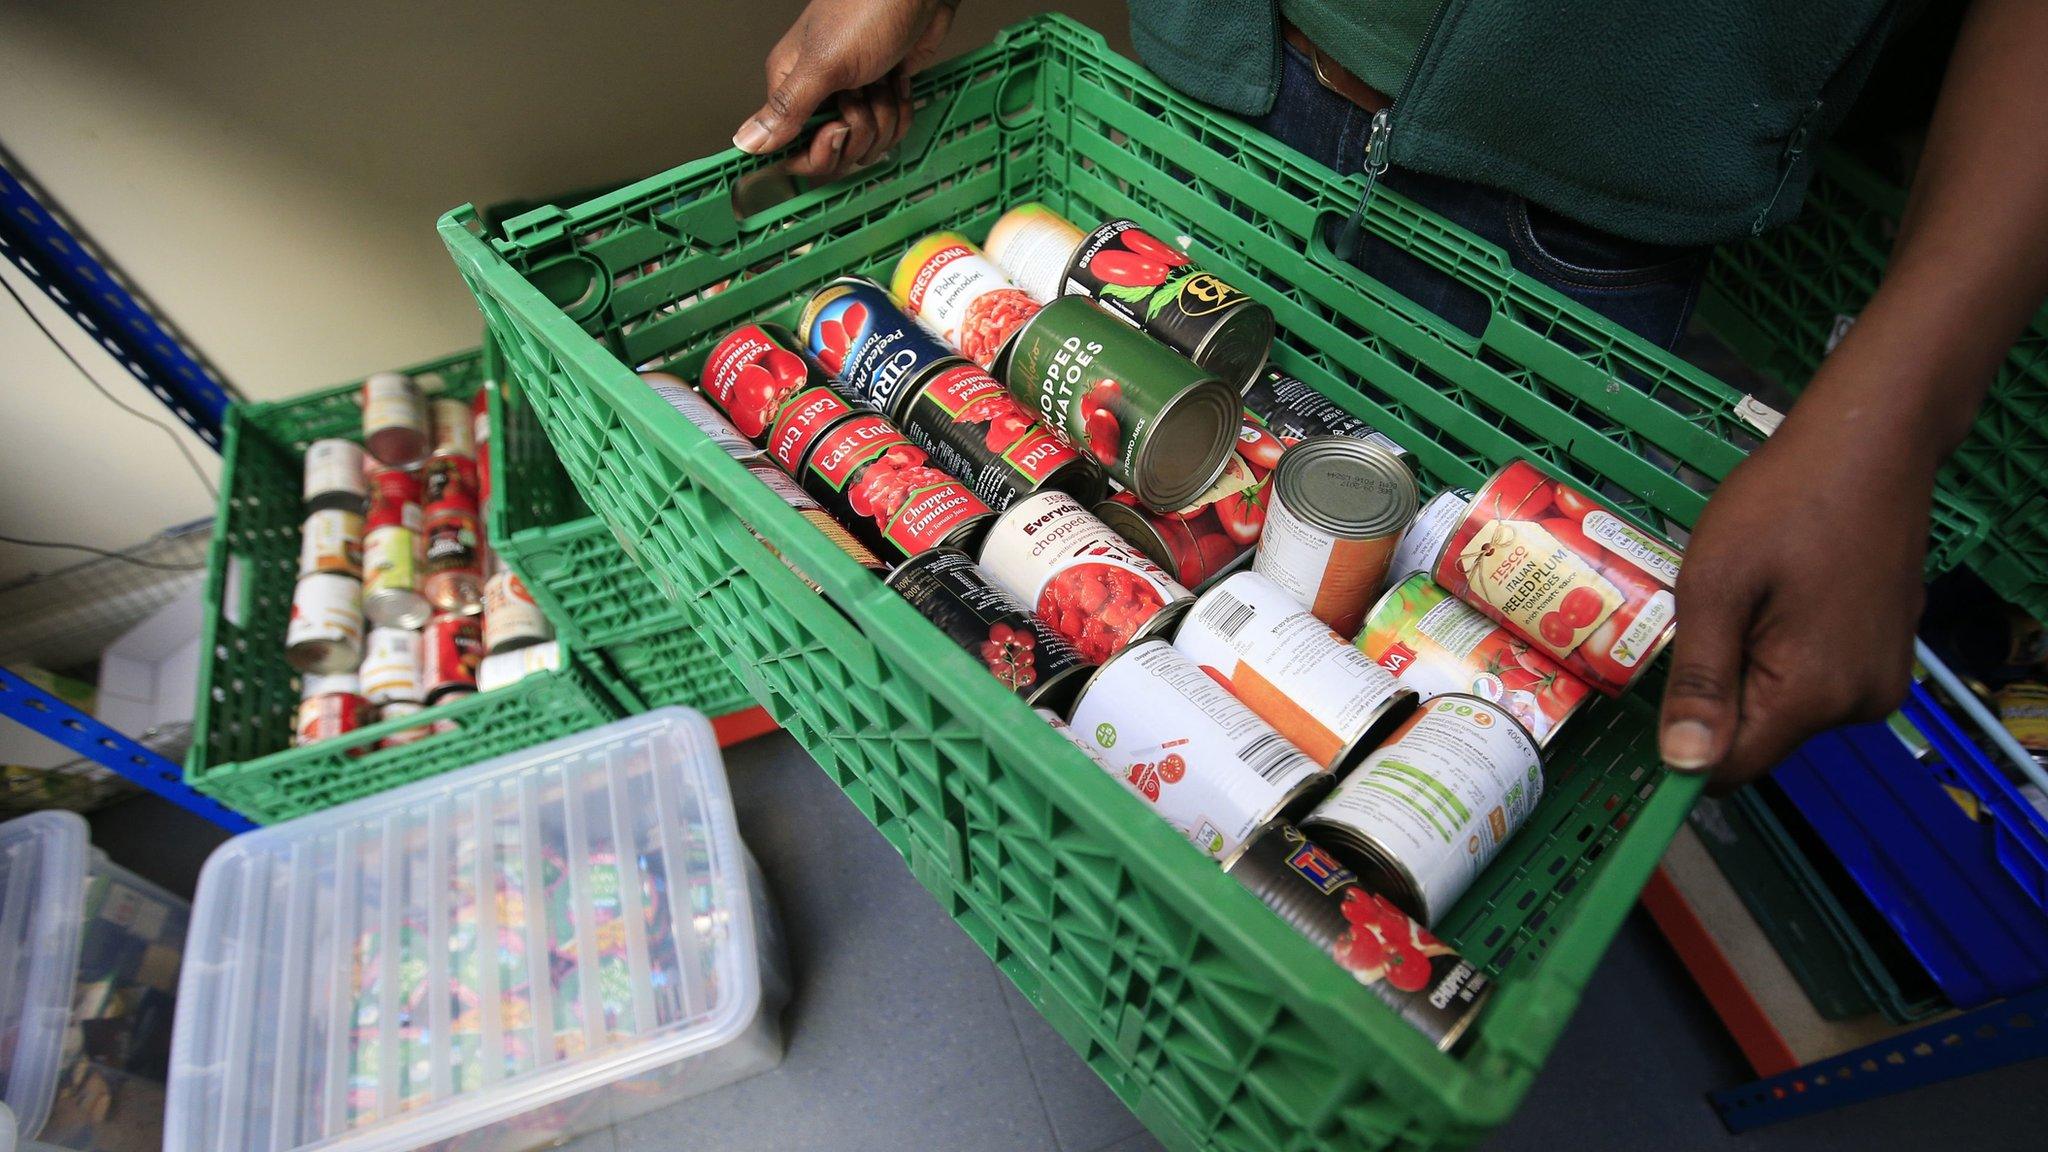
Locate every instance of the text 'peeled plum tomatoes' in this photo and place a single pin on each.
(753, 371)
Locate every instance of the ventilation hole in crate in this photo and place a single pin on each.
(1557, 864)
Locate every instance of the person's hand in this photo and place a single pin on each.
(1798, 598)
(860, 54)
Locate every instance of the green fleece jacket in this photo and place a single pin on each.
(1678, 122)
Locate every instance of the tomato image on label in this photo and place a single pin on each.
(836, 336)
(1383, 943)
(1098, 418)
(1098, 606)
(1150, 777)
(750, 374)
(1010, 654)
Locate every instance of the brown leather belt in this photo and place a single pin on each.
(1333, 75)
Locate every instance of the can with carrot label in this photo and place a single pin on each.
(1092, 586)
(752, 372)
(1154, 286)
(1325, 696)
(1337, 509)
(960, 296)
(976, 431)
(858, 333)
(1561, 570)
(332, 541)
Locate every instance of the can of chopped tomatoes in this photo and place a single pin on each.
(332, 541)
(511, 618)
(1215, 534)
(1437, 644)
(1292, 410)
(1091, 585)
(753, 371)
(1338, 506)
(394, 420)
(1325, 696)
(1424, 980)
(1160, 426)
(976, 431)
(334, 477)
(1562, 571)
(330, 706)
(325, 631)
(1018, 648)
(803, 417)
(960, 295)
(1033, 245)
(1429, 809)
(391, 666)
(779, 483)
(859, 334)
(876, 482)
(454, 647)
(1154, 286)
(454, 431)
(1433, 525)
(1205, 763)
(704, 414)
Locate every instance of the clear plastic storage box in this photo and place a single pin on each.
(498, 958)
(89, 956)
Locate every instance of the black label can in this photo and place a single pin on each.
(1293, 411)
(876, 350)
(976, 430)
(1032, 660)
(1154, 286)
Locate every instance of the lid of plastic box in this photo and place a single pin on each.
(472, 947)
(43, 860)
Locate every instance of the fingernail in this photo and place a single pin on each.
(751, 138)
(838, 137)
(1687, 745)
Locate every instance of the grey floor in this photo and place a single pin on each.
(902, 1035)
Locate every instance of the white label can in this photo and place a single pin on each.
(394, 420)
(960, 296)
(454, 430)
(1087, 583)
(502, 668)
(325, 632)
(704, 414)
(1429, 810)
(1329, 699)
(1204, 762)
(391, 666)
(1433, 525)
(334, 476)
(332, 541)
(511, 618)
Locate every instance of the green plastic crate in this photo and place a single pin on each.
(242, 754)
(1781, 301)
(1216, 1024)
(675, 668)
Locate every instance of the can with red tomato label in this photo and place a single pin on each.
(1325, 696)
(1430, 808)
(1018, 648)
(704, 414)
(960, 296)
(1292, 410)
(780, 483)
(1205, 763)
(1561, 570)
(1215, 534)
(876, 482)
(1424, 980)
(1438, 644)
(1159, 426)
(1338, 507)
(329, 706)
(978, 432)
(1033, 245)
(802, 418)
(394, 420)
(1155, 287)
(511, 618)
(753, 371)
(1092, 586)
(1425, 538)
(454, 647)
(332, 541)
(859, 334)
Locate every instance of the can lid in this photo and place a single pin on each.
(1191, 442)
(1346, 487)
(1132, 525)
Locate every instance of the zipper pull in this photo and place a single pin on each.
(1795, 150)
(1375, 166)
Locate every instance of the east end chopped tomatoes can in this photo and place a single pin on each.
(1204, 762)
(1337, 509)
(857, 332)
(1155, 287)
(960, 295)
(977, 431)
(1092, 586)
(1017, 648)
(1215, 534)
(1438, 644)
(1561, 570)
(803, 417)
(880, 485)
(752, 372)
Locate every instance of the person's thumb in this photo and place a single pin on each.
(1703, 692)
(790, 102)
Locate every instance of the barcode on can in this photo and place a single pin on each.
(1225, 614)
(1272, 757)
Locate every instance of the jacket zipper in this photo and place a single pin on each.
(1380, 138)
(1795, 150)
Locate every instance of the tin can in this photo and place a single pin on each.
(1092, 586)
(454, 431)
(392, 487)
(1033, 245)
(1429, 810)
(1215, 534)
(1159, 426)
(1059, 724)
(1562, 571)
(753, 371)
(511, 618)
(401, 710)
(332, 541)
(704, 414)
(1204, 762)
(329, 714)
(960, 296)
(780, 484)
(1292, 410)
(1018, 648)
(859, 334)
(976, 431)
(450, 483)
(1325, 696)
(801, 420)
(394, 420)
(391, 666)
(869, 475)
(453, 576)
(325, 632)
(1424, 980)
(480, 434)
(1337, 509)
(334, 477)
(454, 648)
(1433, 525)
(500, 669)
(1438, 644)
(1155, 287)
(391, 545)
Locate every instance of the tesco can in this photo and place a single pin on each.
(1438, 644)
(704, 414)
(1561, 570)
(1325, 696)
(1017, 648)
(325, 632)
(1292, 410)
(882, 487)
(332, 541)
(394, 420)
(1204, 762)
(454, 648)
(1428, 811)
(752, 372)
(1156, 287)
(511, 618)
(960, 295)
(334, 477)
(975, 430)
(861, 337)
(391, 666)
(1337, 509)
(1092, 586)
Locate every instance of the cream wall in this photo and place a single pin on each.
(270, 174)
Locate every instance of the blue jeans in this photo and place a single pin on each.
(1648, 289)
